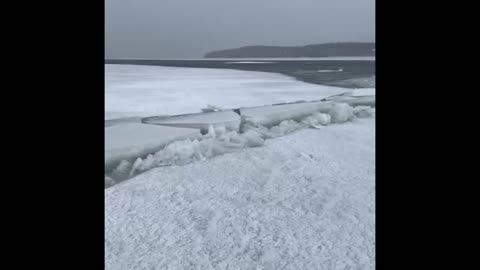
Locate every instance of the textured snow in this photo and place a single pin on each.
(305, 200)
(141, 91)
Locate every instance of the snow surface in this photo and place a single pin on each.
(141, 91)
(305, 200)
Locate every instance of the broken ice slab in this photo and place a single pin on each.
(272, 115)
(357, 97)
(129, 141)
(202, 121)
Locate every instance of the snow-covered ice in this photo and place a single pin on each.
(305, 200)
(141, 91)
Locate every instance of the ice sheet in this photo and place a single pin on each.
(132, 140)
(132, 91)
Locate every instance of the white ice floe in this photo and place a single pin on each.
(132, 91)
(301, 201)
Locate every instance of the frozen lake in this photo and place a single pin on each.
(140, 91)
(350, 72)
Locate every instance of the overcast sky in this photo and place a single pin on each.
(155, 29)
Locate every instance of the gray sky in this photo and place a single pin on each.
(155, 29)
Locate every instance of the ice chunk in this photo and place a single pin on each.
(317, 120)
(218, 140)
(323, 118)
(253, 138)
(186, 151)
(286, 127)
(129, 141)
(272, 115)
(363, 111)
(109, 182)
(211, 108)
(122, 171)
(219, 130)
(341, 112)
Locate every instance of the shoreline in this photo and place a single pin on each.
(352, 73)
